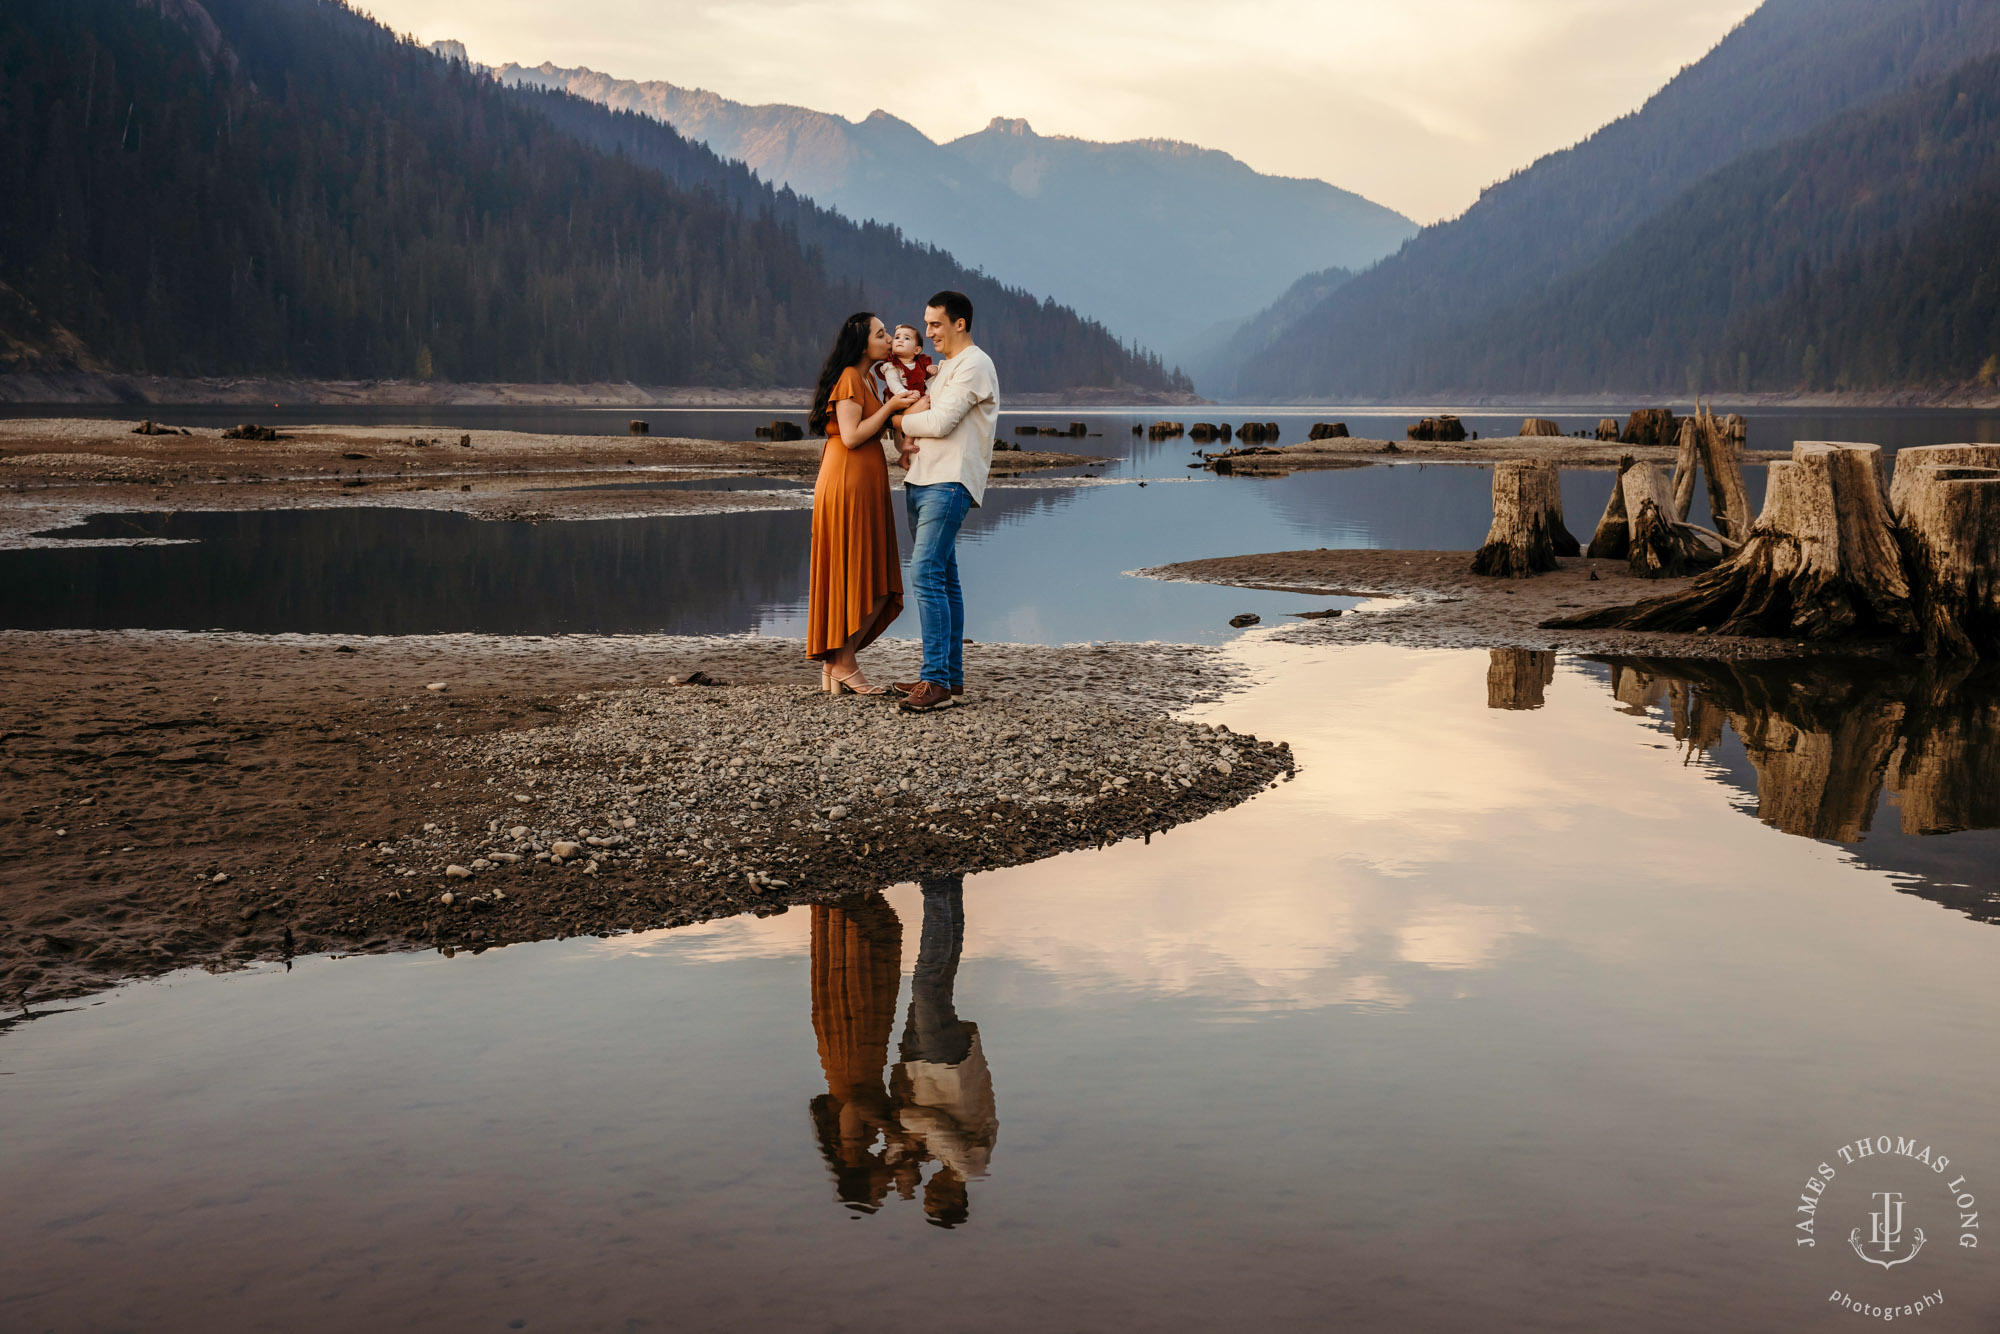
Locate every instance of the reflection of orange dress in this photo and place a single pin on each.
(857, 577)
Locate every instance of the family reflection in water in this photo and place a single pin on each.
(937, 1107)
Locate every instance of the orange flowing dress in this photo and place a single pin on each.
(857, 574)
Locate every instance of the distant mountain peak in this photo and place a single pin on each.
(1013, 125)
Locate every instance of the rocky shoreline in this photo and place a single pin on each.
(215, 799)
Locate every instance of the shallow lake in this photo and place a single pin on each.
(1535, 1001)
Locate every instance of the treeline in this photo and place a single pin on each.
(292, 190)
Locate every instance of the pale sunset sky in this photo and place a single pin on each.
(1417, 104)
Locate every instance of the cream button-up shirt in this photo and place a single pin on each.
(955, 438)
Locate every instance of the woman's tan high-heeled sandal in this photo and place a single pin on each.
(841, 686)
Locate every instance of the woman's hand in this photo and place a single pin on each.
(902, 402)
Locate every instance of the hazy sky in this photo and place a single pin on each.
(1415, 103)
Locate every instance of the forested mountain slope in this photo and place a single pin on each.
(1787, 68)
(1158, 239)
(284, 187)
(1681, 303)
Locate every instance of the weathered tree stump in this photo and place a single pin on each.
(1540, 426)
(1611, 539)
(1722, 461)
(1527, 533)
(1947, 502)
(1518, 678)
(1686, 459)
(1821, 561)
(1650, 426)
(1656, 544)
(1328, 431)
(1445, 428)
(1607, 428)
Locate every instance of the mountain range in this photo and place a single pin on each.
(1160, 240)
(1780, 216)
(284, 187)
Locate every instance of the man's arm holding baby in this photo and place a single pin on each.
(938, 415)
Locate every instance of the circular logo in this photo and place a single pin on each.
(1890, 1213)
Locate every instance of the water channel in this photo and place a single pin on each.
(1531, 1003)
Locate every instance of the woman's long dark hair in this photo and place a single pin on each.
(850, 347)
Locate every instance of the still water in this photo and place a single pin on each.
(1533, 1002)
(1505, 1014)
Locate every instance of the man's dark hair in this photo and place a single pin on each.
(955, 305)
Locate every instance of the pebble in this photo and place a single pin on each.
(447, 898)
(435, 685)
(219, 879)
(564, 849)
(523, 798)
(1223, 767)
(456, 872)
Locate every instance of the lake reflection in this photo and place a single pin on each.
(1826, 747)
(939, 1105)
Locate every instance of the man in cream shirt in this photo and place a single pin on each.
(948, 450)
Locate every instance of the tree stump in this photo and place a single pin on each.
(1656, 546)
(1686, 458)
(1650, 426)
(1527, 533)
(1611, 540)
(1821, 562)
(1540, 426)
(1722, 461)
(1518, 678)
(1948, 506)
(1607, 428)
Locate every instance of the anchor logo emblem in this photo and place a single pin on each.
(1886, 1234)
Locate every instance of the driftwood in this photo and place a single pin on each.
(1518, 678)
(1947, 504)
(1528, 532)
(1540, 426)
(1821, 561)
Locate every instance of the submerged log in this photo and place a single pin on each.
(1540, 426)
(1518, 678)
(1947, 502)
(1821, 562)
(1528, 532)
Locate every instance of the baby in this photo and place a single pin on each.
(907, 366)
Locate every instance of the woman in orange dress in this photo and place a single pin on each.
(857, 576)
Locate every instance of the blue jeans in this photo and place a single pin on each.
(935, 515)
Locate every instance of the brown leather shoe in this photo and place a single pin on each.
(908, 687)
(927, 696)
